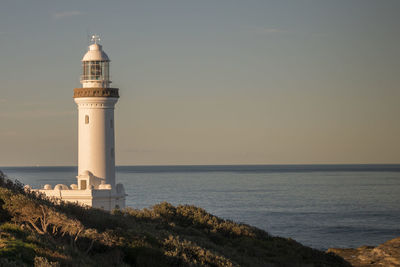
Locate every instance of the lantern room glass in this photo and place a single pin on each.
(96, 70)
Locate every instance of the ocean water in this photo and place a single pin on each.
(321, 206)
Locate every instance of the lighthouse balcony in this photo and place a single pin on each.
(96, 92)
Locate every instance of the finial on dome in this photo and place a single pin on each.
(95, 39)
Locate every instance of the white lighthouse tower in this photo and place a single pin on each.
(96, 101)
(96, 142)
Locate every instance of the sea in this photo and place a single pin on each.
(321, 206)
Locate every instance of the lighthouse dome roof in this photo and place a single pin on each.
(95, 53)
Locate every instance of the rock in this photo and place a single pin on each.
(386, 254)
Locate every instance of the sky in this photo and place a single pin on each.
(206, 81)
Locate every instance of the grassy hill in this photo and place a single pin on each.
(41, 232)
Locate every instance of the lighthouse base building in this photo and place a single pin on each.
(96, 101)
(102, 197)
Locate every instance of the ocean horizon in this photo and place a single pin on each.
(319, 205)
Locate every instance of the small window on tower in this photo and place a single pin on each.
(112, 152)
(86, 119)
(111, 123)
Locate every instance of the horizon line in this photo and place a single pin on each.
(216, 165)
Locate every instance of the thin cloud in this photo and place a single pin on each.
(267, 30)
(65, 14)
(35, 114)
(8, 133)
(134, 150)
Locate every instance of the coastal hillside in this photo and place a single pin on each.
(386, 254)
(42, 232)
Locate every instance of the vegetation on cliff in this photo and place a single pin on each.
(38, 231)
(386, 254)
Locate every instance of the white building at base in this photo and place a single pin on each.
(95, 185)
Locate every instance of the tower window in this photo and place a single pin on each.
(111, 124)
(86, 119)
(112, 153)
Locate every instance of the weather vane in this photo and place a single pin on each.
(95, 38)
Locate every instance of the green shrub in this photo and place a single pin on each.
(14, 229)
(190, 253)
(17, 250)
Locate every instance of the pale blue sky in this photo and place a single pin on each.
(207, 82)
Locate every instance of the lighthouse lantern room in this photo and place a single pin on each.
(95, 63)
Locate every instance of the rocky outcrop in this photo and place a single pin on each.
(386, 254)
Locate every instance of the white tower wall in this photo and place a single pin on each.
(96, 145)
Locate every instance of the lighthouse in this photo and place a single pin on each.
(96, 101)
